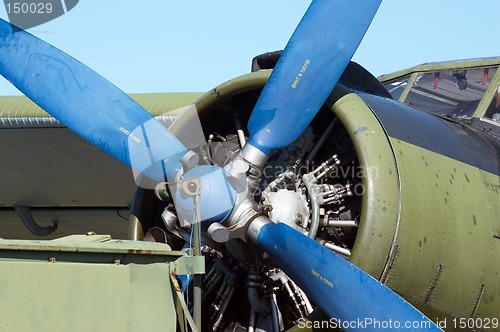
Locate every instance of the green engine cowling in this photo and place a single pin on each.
(430, 220)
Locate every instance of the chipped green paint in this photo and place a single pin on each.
(88, 283)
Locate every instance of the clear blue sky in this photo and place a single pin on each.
(194, 45)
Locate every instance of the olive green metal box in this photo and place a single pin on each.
(87, 283)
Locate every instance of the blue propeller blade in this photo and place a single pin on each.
(87, 103)
(338, 287)
(308, 69)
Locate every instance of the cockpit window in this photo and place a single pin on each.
(455, 93)
(397, 87)
(493, 111)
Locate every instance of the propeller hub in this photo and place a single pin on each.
(205, 187)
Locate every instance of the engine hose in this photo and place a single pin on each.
(274, 313)
(224, 309)
(259, 305)
(212, 287)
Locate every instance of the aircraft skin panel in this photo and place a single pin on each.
(54, 167)
(19, 106)
(83, 290)
(489, 299)
(448, 226)
(154, 103)
(440, 136)
(439, 214)
(61, 177)
(70, 221)
(47, 167)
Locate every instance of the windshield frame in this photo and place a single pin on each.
(412, 74)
